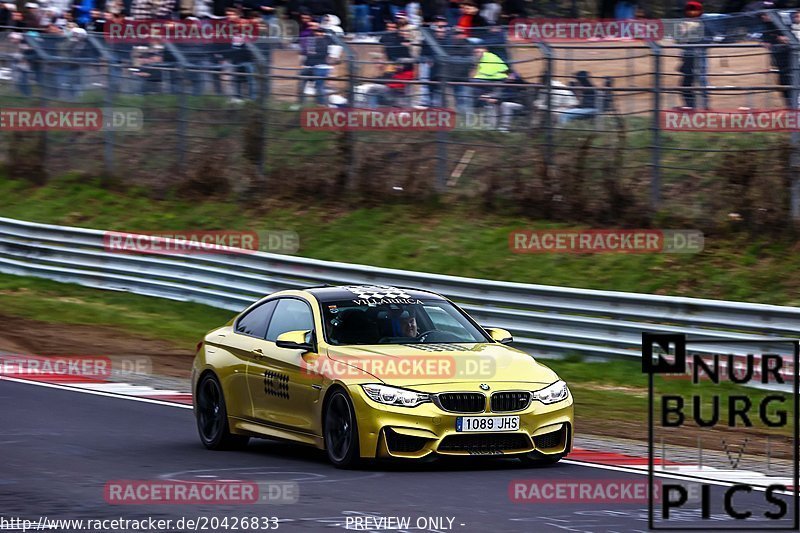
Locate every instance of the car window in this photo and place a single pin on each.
(254, 322)
(396, 321)
(442, 320)
(290, 315)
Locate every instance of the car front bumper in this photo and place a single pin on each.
(417, 432)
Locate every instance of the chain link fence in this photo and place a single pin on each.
(570, 130)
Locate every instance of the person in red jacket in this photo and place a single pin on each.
(471, 19)
(393, 93)
(399, 88)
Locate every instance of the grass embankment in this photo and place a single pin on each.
(180, 323)
(428, 237)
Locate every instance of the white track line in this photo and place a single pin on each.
(666, 475)
(95, 392)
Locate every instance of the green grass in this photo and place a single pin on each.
(181, 323)
(440, 238)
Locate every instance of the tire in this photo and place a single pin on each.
(341, 431)
(212, 417)
(537, 459)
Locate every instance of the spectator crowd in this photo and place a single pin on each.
(461, 59)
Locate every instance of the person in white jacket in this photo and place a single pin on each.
(562, 98)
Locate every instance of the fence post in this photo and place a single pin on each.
(46, 75)
(794, 94)
(182, 104)
(794, 158)
(547, 52)
(655, 154)
(349, 136)
(263, 61)
(442, 136)
(108, 135)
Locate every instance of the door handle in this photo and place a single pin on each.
(257, 352)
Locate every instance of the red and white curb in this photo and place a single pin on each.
(58, 371)
(680, 470)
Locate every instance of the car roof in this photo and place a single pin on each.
(369, 292)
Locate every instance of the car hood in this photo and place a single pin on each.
(430, 364)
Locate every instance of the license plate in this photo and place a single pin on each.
(487, 423)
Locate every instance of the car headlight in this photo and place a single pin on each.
(394, 396)
(552, 393)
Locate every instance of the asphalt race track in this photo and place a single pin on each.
(60, 448)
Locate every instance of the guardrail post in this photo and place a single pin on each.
(655, 152)
(547, 52)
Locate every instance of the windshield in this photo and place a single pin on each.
(403, 321)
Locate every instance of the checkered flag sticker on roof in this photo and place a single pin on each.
(379, 292)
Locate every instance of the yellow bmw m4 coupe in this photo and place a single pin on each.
(376, 372)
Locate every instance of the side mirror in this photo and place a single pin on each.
(295, 340)
(500, 335)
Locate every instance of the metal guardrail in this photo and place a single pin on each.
(545, 320)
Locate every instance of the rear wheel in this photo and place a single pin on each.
(341, 431)
(212, 417)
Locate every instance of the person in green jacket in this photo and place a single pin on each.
(490, 69)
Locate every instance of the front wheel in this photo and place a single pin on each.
(212, 417)
(341, 431)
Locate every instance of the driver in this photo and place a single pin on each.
(408, 325)
(403, 322)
